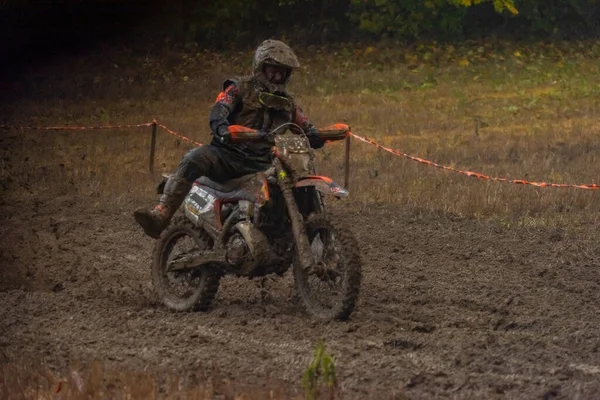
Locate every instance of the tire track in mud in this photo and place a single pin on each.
(425, 364)
(443, 310)
(293, 355)
(588, 369)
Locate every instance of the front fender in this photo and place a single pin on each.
(323, 184)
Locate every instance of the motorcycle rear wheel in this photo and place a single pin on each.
(199, 286)
(329, 289)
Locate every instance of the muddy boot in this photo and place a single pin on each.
(153, 221)
(156, 220)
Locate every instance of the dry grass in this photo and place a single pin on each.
(32, 380)
(536, 108)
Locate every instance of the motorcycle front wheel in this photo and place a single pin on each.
(330, 287)
(185, 290)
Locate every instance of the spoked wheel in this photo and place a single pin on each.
(183, 290)
(330, 288)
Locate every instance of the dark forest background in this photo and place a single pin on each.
(30, 29)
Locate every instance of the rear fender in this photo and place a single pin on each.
(324, 185)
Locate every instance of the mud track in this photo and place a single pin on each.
(449, 307)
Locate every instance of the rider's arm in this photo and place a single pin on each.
(301, 120)
(224, 105)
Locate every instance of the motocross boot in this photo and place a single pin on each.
(156, 220)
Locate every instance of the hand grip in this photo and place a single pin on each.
(241, 133)
(334, 132)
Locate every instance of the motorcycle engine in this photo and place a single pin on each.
(237, 250)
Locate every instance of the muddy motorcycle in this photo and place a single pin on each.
(261, 224)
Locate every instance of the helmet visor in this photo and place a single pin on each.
(277, 74)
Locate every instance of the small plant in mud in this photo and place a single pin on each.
(320, 374)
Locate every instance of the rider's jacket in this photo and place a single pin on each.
(245, 101)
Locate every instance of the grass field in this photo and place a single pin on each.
(519, 111)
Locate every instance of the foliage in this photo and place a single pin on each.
(319, 21)
(560, 16)
(412, 18)
(499, 5)
(218, 23)
(320, 371)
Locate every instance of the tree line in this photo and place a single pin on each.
(322, 21)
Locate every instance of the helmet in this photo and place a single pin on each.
(273, 52)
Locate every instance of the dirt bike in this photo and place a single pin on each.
(262, 224)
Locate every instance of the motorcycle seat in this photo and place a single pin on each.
(227, 186)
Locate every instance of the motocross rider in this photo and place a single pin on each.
(260, 102)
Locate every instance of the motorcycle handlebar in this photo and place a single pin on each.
(334, 132)
(329, 133)
(241, 133)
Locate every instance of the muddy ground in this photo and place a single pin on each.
(450, 307)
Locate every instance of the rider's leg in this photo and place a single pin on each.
(216, 163)
(205, 160)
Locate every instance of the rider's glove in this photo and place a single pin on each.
(313, 137)
(223, 135)
(312, 131)
(265, 135)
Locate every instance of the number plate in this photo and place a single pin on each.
(199, 201)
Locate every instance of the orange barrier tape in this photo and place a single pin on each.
(77, 128)
(478, 175)
(184, 138)
(82, 128)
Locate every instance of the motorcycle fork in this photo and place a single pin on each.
(303, 249)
